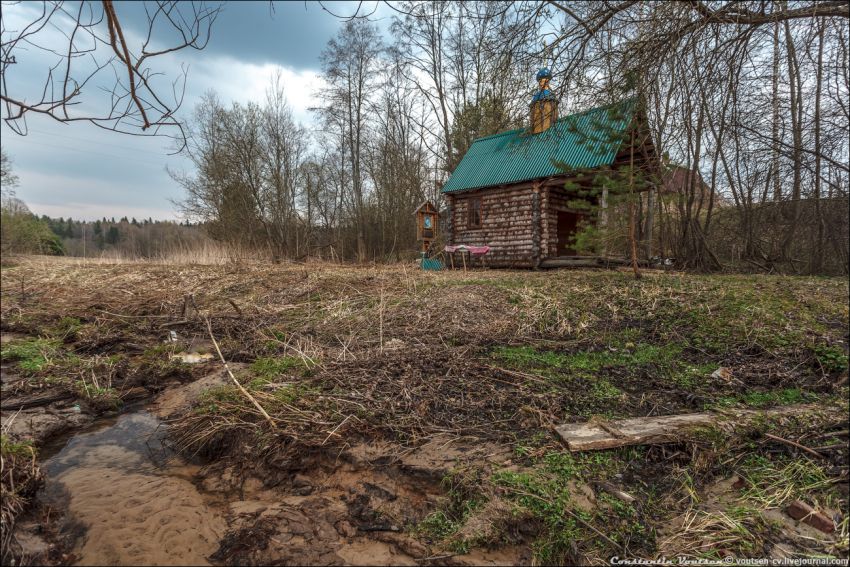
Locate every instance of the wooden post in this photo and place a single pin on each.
(603, 219)
(650, 209)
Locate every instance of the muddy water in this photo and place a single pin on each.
(129, 500)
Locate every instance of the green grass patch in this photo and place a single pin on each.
(66, 328)
(220, 394)
(228, 399)
(291, 393)
(160, 351)
(587, 362)
(21, 449)
(32, 355)
(269, 368)
(692, 376)
(543, 492)
(546, 498)
(464, 499)
(103, 398)
(770, 398)
(526, 356)
(771, 483)
(604, 390)
(437, 526)
(832, 359)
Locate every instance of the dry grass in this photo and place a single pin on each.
(714, 534)
(20, 477)
(392, 353)
(207, 253)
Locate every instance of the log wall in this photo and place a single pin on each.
(506, 224)
(449, 219)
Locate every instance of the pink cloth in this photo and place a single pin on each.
(474, 250)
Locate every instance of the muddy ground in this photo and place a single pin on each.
(408, 415)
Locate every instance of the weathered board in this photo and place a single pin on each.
(599, 434)
(594, 436)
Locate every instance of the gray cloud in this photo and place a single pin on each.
(291, 34)
(82, 171)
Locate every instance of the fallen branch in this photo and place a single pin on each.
(232, 377)
(830, 447)
(795, 445)
(236, 307)
(842, 433)
(36, 401)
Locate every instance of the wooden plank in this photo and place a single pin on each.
(599, 434)
(642, 430)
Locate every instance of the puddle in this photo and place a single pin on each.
(128, 499)
(192, 357)
(198, 350)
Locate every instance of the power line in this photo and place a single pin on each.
(75, 139)
(90, 152)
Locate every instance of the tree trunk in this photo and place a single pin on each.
(817, 253)
(795, 83)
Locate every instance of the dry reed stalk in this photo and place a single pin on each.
(18, 481)
(333, 432)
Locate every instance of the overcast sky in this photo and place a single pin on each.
(84, 172)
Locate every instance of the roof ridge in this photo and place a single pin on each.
(496, 135)
(561, 119)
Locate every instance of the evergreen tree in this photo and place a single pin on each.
(112, 235)
(617, 188)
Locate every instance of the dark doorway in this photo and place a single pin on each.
(568, 224)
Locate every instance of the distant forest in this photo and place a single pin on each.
(127, 238)
(124, 237)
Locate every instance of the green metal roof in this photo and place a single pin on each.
(582, 140)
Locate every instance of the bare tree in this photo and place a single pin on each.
(98, 70)
(8, 180)
(350, 63)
